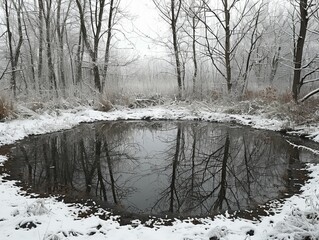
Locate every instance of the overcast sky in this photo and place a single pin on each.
(146, 21)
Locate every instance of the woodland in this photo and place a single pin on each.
(76, 50)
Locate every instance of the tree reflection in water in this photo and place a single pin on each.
(189, 168)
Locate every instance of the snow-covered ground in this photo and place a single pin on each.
(24, 217)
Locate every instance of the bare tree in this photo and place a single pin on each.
(255, 37)
(26, 18)
(41, 41)
(14, 49)
(307, 11)
(113, 5)
(235, 22)
(60, 28)
(193, 10)
(96, 11)
(299, 48)
(47, 14)
(170, 12)
(47, 19)
(79, 53)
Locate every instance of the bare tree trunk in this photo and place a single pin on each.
(108, 42)
(298, 51)
(70, 55)
(10, 42)
(32, 62)
(194, 53)
(14, 53)
(274, 65)
(170, 13)
(174, 18)
(79, 59)
(80, 54)
(253, 42)
(40, 54)
(47, 17)
(30, 32)
(60, 29)
(96, 23)
(20, 40)
(227, 47)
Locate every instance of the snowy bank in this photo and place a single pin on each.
(47, 122)
(24, 217)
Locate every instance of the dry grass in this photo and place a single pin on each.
(105, 105)
(271, 104)
(5, 108)
(306, 112)
(268, 94)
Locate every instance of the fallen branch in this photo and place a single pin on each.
(303, 147)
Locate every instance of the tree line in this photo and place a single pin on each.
(52, 46)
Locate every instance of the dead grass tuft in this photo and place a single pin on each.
(105, 105)
(5, 108)
(306, 112)
(118, 98)
(272, 104)
(268, 94)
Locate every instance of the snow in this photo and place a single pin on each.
(48, 218)
(2, 160)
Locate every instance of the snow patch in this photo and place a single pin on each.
(2, 160)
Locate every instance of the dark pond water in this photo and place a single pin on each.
(187, 168)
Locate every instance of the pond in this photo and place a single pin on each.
(144, 167)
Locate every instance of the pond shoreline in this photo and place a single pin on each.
(65, 119)
(27, 154)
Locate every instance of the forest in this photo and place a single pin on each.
(76, 50)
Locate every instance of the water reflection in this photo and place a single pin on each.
(159, 167)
